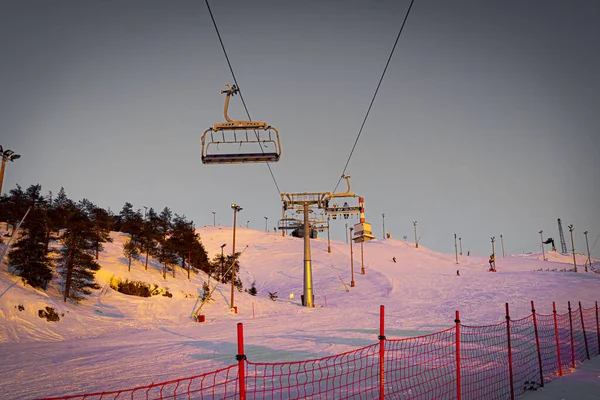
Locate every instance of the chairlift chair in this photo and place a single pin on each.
(240, 141)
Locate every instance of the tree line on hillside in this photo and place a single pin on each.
(61, 238)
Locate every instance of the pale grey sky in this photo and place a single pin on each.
(486, 122)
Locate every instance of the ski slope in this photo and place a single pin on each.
(112, 341)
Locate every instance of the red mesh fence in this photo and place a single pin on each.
(422, 367)
(591, 331)
(526, 371)
(564, 339)
(578, 337)
(221, 384)
(354, 374)
(484, 362)
(495, 361)
(548, 349)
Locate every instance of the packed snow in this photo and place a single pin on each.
(114, 341)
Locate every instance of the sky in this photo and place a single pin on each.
(114, 341)
(485, 123)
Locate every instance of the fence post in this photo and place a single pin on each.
(510, 368)
(560, 372)
(597, 328)
(381, 352)
(572, 340)
(537, 344)
(241, 357)
(587, 351)
(457, 321)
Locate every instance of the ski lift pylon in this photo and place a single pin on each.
(240, 141)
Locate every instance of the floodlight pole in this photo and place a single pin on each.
(455, 249)
(236, 209)
(460, 243)
(351, 260)
(266, 224)
(308, 290)
(282, 217)
(416, 241)
(542, 239)
(573, 247)
(589, 261)
(493, 238)
(362, 259)
(214, 218)
(383, 218)
(502, 242)
(222, 259)
(328, 240)
(346, 232)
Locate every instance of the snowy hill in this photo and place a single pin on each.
(117, 341)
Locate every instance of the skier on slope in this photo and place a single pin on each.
(492, 263)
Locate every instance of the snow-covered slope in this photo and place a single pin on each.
(112, 341)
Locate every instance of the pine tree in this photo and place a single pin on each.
(148, 236)
(28, 254)
(131, 251)
(102, 224)
(76, 261)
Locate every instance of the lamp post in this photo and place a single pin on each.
(351, 260)
(236, 209)
(455, 249)
(589, 260)
(502, 242)
(542, 239)
(145, 209)
(383, 218)
(247, 224)
(416, 241)
(460, 243)
(266, 224)
(328, 240)
(222, 259)
(346, 232)
(362, 259)
(493, 238)
(6, 155)
(573, 247)
(214, 218)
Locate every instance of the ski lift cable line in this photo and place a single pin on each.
(374, 95)
(239, 90)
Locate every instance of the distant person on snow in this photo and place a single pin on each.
(394, 259)
(492, 263)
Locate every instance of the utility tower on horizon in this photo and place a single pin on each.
(563, 245)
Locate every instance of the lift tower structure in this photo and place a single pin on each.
(563, 244)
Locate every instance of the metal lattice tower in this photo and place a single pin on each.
(563, 245)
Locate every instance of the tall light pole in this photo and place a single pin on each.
(502, 242)
(214, 218)
(145, 209)
(308, 287)
(236, 209)
(573, 247)
(460, 242)
(222, 259)
(416, 241)
(7, 155)
(362, 259)
(542, 239)
(493, 238)
(351, 260)
(589, 260)
(383, 219)
(455, 249)
(346, 232)
(247, 224)
(266, 224)
(328, 240)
